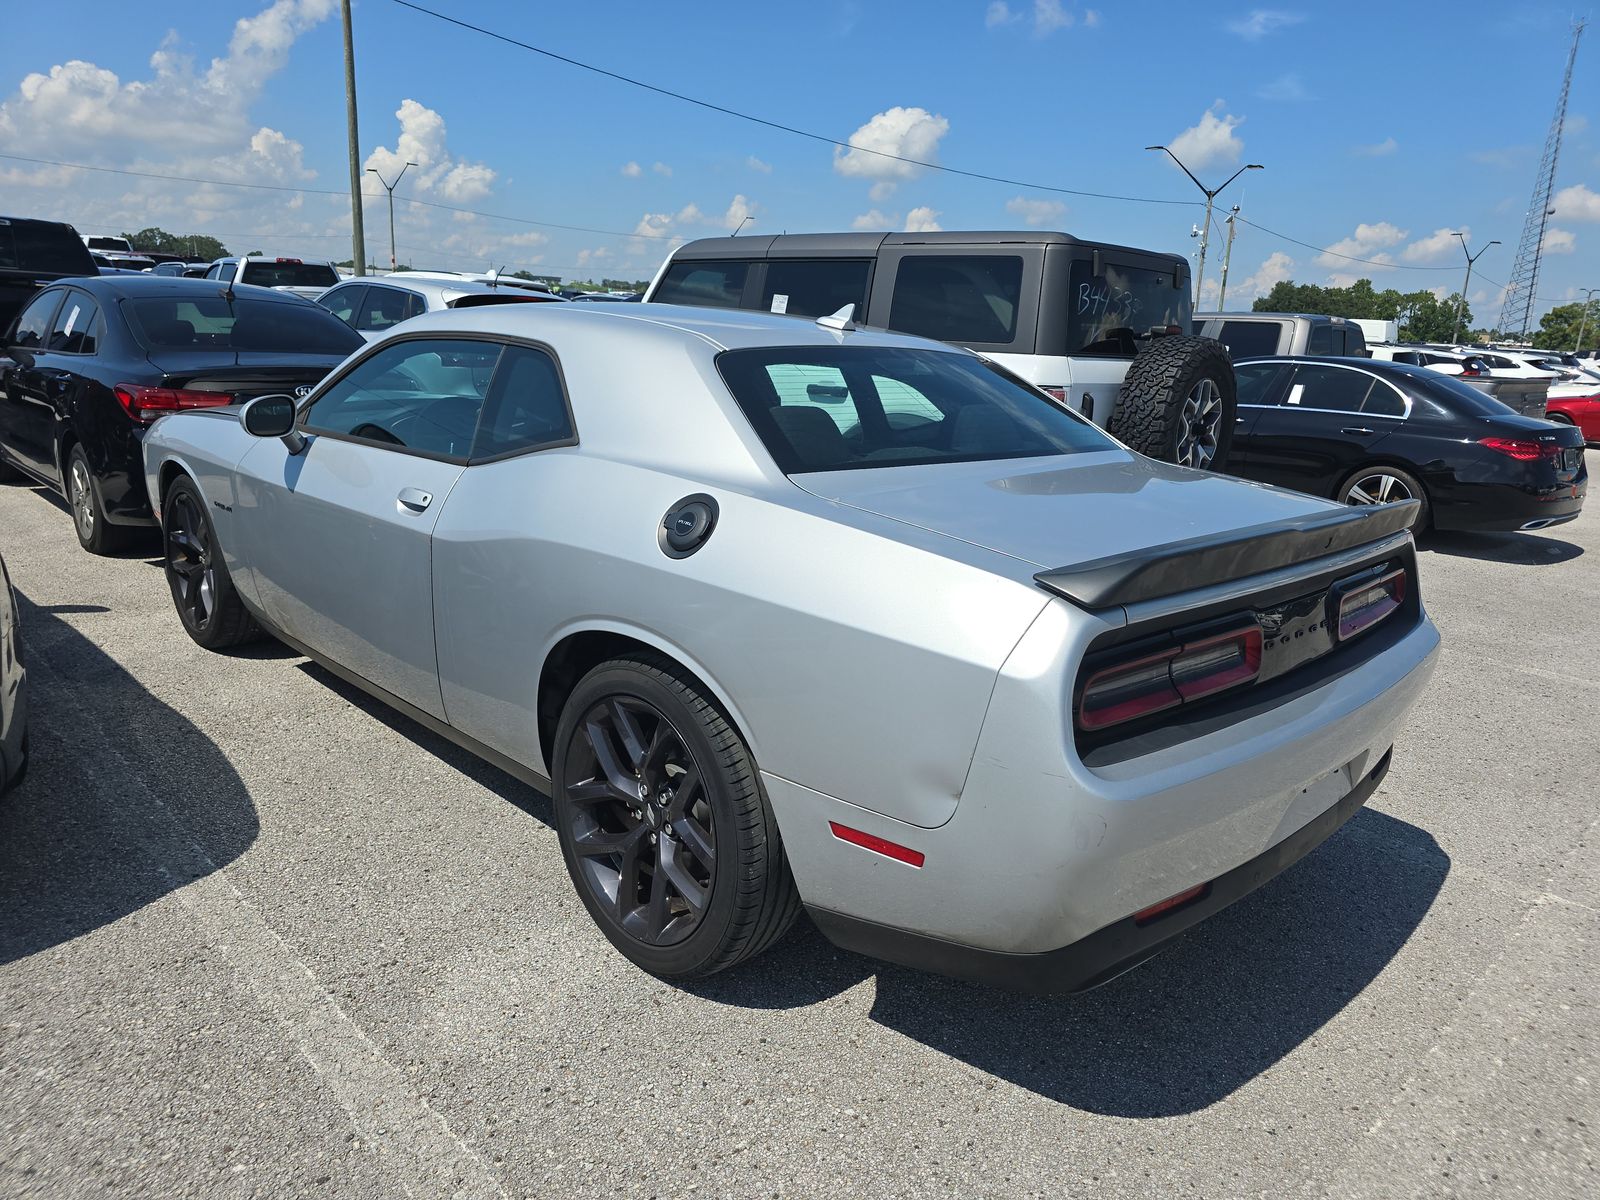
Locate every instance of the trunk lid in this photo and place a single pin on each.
(244, 373)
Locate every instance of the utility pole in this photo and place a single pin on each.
(358, 233)
(1471, 258)
(1211, 195)
(1227, 258)
(390, 187)
(1583, 320)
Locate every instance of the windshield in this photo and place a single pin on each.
(289, 274)
(1113, 313)
(844, 407)
(213, 323)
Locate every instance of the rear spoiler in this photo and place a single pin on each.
(1218, 558)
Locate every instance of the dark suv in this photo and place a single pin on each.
(34, 253)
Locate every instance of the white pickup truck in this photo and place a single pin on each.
(306, 277)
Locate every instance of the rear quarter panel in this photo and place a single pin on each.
(206, 446)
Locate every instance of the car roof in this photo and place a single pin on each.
(1271, 316)
(147, 283)
(1377, 366)
(785, 245)
(438, 288)
(722, 328)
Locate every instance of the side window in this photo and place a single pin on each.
(962, 299)
(815, 288)
(903, 406)
(712, 284)
(1332, 388)
(1246, 338)
(1355, 342)
(383, 308)
(423, 395)
(73, 331)
(526, 407)
(34, 323)
(215, 272)
(1256, 381)
(1320, 340)
(415, 305)
(343, 302)
(1409, 357)
(1384, 401)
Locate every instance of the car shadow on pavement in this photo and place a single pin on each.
(1224, 1004)
(125, 799)
(1519, 549)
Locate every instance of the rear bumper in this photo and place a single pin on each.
(1110, 951)
(1503, 507)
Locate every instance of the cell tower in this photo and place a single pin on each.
(1516, 313)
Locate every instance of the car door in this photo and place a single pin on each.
(336, 539)
(61, 371)
(1260, 386)
(384, 308)
(1316, 431)
(25, 406)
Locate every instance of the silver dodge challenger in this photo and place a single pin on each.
(787, 614)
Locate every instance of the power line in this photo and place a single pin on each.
(778, 125)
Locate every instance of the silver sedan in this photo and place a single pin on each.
(788, 614)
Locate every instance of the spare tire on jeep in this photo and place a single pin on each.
(1179, 402)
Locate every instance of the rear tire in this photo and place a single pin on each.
(665, 829)
(202, 591)
(1179, 402)
(1383, 485)
(95, 534)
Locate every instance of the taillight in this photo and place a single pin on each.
(1153, 683)
(1363, 603)
(145, 404)
(1521, 449)
(1060, 393)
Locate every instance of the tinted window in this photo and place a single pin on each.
(44, 247)
(73, 330)
(957, 299)
(1452, 396)
(1113, 313)
(384, 307)
(34, 322)
(1256, 380)
(526, 406)
(1244, 338)
(713, 284)
(422, 395)
(286, 273)
(1320, 340)
(1355, 342)
(214, 322)
(216, 270)
(343, 302)
(1408, 356)
(1332, 388)
(1384, 401)
(815, 289)
(842, 407)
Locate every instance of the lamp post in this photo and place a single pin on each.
(1471, 258)
(390, 187)
(1227, 258)
(1583, 320)
(358, 232)
(1211, 195)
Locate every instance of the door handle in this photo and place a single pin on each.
(1355, 429)
(415, 499)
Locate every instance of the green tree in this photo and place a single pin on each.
(197, 247)
(1423, 316)
(1558, 328)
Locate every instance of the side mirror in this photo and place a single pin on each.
(273, 416)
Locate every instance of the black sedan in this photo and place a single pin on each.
(89, 363)
(1366, 432)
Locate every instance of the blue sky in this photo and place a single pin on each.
(1382, 126)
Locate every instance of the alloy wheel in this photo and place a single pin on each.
(189, 562)
(1378, 488)
(82, 498)
(641, 821)
(1200, 417)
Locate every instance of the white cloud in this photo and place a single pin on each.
(1286, 88)
(1259, 22)
(1441, 243)
(871, 222)
(755, 164)
(1049, 16)
(276, 157)
(1091, 18)
(738, 209)
(1036, 212)
(1577, 203)
(1365, 243)
(1559, 241)
(690, 214)
(422, 141)
(632, 170)
(654, 225)
(1276, 268)
(1211, 141)
(1343, 279)
(923, 220)
(659, 225)
(593, 257)
(1377, 149)
(907, 133)
(999, 13)
(661, 168)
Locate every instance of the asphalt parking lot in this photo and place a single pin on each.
(261, 937)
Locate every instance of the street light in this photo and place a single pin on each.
(1471, 258)
(1211, 195)
(390, 187)
(1583, 321)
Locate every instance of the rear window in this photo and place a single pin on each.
(477, 301)
(845, 407)
(1320, 340)
(1111, 314)
(815, 288)
(45, 247)
(710, 284)
(212, 322)
(289, 274)
(1451, 395)
(963, 299)
(1246, 338)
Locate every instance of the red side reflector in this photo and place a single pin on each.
(877, 844)
(1171, 904)
(145, 404)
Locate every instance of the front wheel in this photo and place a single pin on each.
(1385, 485)
(207, 604)
(663, 824)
